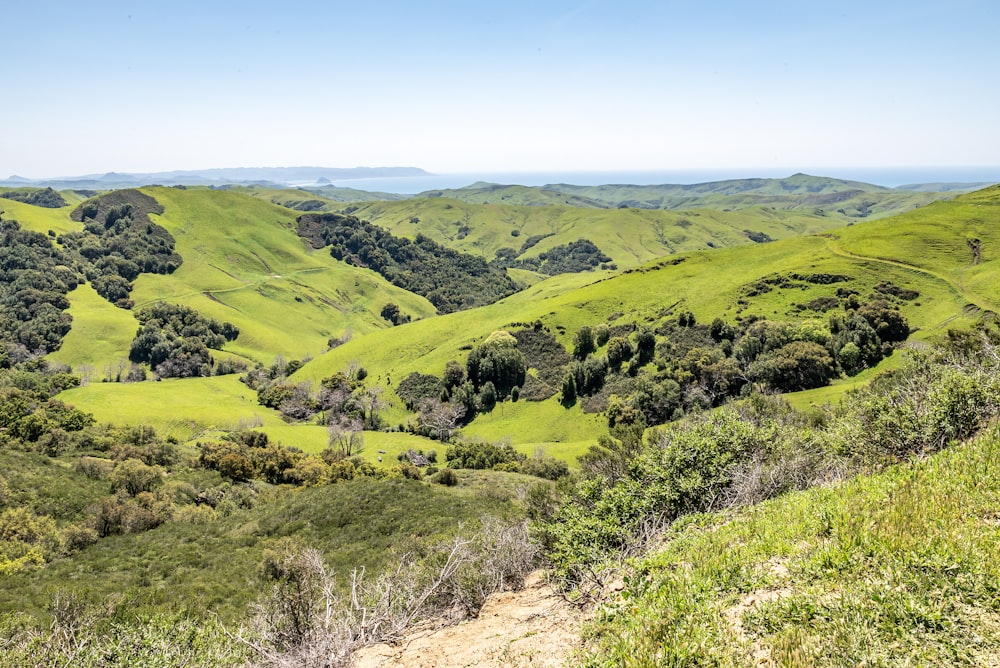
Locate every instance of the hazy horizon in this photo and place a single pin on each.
(887, 176)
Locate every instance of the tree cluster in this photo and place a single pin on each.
(758, 448)
(119, 242)
(44, 197)
(450, 280)
(342, 402)
(174, 340)
(35, 278)
(700, 366)
(573, 257)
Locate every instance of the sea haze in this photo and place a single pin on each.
(883, 176)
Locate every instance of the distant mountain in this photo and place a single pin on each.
(282, 176)
(945, 187)
(819, 195)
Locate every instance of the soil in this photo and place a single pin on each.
(530, 627)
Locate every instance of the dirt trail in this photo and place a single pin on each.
(531, 627)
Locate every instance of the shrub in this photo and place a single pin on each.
(445, 476)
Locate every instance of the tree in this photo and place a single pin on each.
(454, 375)
(392, 313)
(487, 396)
(888, 322)
(569, 390)
(439, 418)
(497, 360)
(345, 435)
(800, 365)
(134, 477)
(583, 343)
(619, 351)
(645, 344)
(236, 466)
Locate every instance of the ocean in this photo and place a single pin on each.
(883, 176)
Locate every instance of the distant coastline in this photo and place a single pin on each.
(413, 180)
(891, 177)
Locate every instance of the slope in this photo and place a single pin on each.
(892, 569)
(709, 284)
(243, 263)
(629, 236)
(840, 199)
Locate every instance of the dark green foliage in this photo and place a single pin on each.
(482, 455)
(174, 340)
(392, 313)
(756, 449)
(589, 375)
(799, 365)
(487, 398)
(576, 256)
(645, 344)
(43, 197)
(35, 278)
(888, 322)
(418, 386)
(583, 342)
(619, 351)
(757, 237)
(119, 241)
(450, 280)
(543, 353)
(569, 392)
(497, 361)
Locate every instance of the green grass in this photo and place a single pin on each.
(895, 569)
(40, 219)
(244, 263)
(630, 236)
(182, 408)
(101, 334)
(208, 567)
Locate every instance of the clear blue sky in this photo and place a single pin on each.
(148, 85)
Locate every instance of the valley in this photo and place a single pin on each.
(212, 396)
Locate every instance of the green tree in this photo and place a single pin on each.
(497, 360)
(583, 343)
(619, 351)
(134, 477)
(800, 365)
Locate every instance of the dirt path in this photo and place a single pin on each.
(531, 627)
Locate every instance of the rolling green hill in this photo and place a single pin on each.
(713, 284)
(926, 250)
(839, 199)
(244, 263)
(629, 236)
(181, 507)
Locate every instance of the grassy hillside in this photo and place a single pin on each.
(711, 284)
(629, 236)
(894, 569)
(839, 199)
(243, 263)
(206, 563)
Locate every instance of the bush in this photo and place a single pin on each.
(445, 477)
(482, 455)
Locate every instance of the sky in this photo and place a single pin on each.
(148, 85)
